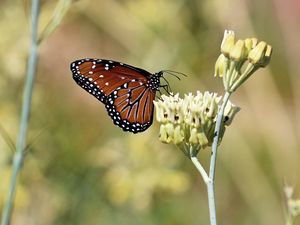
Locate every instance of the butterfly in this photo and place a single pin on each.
(126, 91)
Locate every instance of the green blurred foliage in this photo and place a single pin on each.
(81, 169)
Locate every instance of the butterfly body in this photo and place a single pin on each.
(126, 91)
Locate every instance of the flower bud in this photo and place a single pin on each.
(257, 53)
(238, 52)
(227, 42)
(221, 65)
(248, 44)
(267, 58)
(254, 42)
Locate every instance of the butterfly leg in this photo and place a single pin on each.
(167, 88)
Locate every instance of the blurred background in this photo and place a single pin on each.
(81, 169)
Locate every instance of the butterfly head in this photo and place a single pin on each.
(154, 81)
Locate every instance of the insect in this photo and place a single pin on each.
(126, 91)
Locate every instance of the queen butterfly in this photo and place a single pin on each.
(126, 91)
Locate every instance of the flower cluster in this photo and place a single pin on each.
(190, 122)
(239, 60)
(293, 205)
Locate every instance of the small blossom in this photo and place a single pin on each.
(178, 135)
(229, 113)
(166, 133)
(203, 140)
(293, 205)
(191, 121)
(193, 136)
(288, 190)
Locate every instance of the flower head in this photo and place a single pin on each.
(190, 121)
(293, 205)
(239, 60)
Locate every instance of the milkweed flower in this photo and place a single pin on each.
(293, 205)
(240, 59)
(189, 122)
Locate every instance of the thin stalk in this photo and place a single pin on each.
(210, 184)
(250, 69)
(289, 220)
(26, 104)
(58, 14)
(200, 168)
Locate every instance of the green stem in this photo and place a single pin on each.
(210, 184)
(19, 155)
(289, 220)
(250, 69)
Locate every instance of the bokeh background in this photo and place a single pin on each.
(81, 169)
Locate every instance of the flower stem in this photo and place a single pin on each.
(200, 169)
(19, 154)
(60, 11)
(210, 184)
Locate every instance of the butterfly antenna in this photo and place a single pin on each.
(173, 73)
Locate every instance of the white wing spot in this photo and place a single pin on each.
(90, 72)
(101, 76)
(106, 83)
